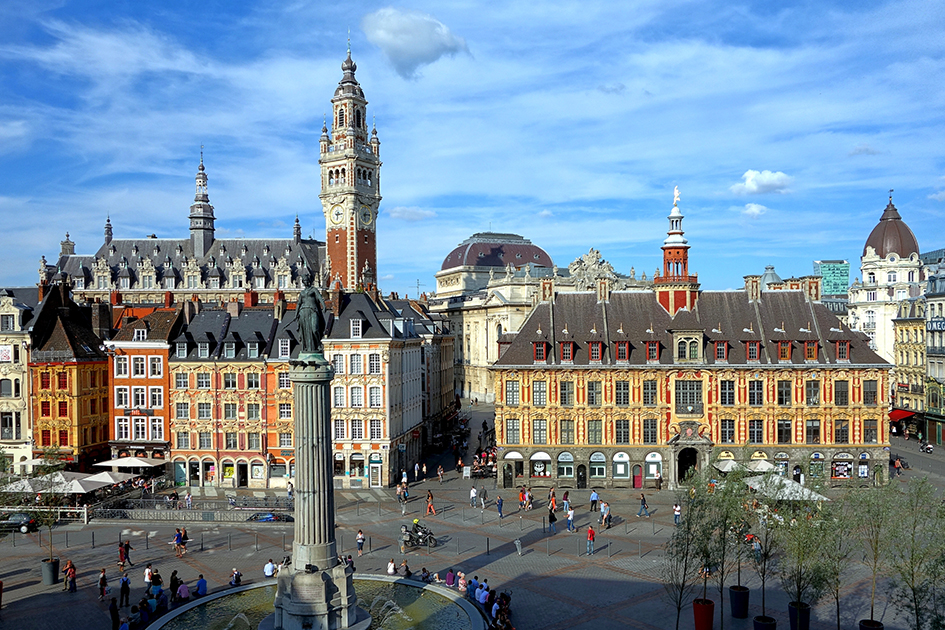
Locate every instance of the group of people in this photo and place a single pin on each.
(155, 601)
(174, 501)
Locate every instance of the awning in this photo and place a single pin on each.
(133, 462)
(900, 414)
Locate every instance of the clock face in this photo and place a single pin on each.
(337, 214)
(366, 215)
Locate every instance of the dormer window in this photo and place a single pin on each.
(252, 350)
(214, 283)
(623, 350)
(140, 334)
(229, 350)
(721, 351)
(594, 351)
(355, 328)
(539, 351)
(567, 351)
(203, 349)
(687, 349)
(125, 283)
(652, 351)
(843, 351)
(871, 278)
(285, 348)
(80, 283)
(753, 349)
(7, 322)
(784, 351)
(810, 350)
(181, 349)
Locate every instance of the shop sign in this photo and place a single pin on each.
(936, 324)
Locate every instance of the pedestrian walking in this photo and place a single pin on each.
(898, 466)
(424, 470)
(416, 472)
(430, 507)
(121, 557)
(439, 473)
(605, 515)
(102, 585)
(677, 513)
(594, 499)
(402, 499)
(148, 574)
(189, 500)
(552, 519)
(124, 591)
(403, 475)
(643, 507)
(183, 541)
(659, 480)
(472, 497)
(483, 497)
(70, 572)
(498, 506)
(113, 612)
(178, 536)
(571, 519)
(565, 503)
(360, 542)
(590, 540)
(128, 550)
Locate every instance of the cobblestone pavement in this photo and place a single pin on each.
(554, 584)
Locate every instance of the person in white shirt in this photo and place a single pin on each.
(484, 596)
(391, 567)
(147, 578)
(270, 569)
(472, 497)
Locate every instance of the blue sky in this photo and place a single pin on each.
(567, 122)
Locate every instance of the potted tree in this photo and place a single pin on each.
(48, 501)
(917, 532)
(766, 525)
(800, 569)
(837, 548)
(873, 529)
(681, 558)
(725, 519)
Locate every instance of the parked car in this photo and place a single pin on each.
(17, 521)
(271, 517)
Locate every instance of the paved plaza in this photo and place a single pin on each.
(554, 584)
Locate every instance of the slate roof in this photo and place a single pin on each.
(217, 327)
(490, 249)
(26, 299)
(160, 325)
(636, 317)
(63, 332)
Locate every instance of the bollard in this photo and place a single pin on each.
(653, 523)
(256, 542)
(229, 547)
(521, 525)
(487, 546)
(464, 515)
(578, 543)
(359, 507)
(93, 540)
(147, 540)
(201, 541)
(369, 544)
(378, 506)
(13, 534)
(67, 540)
(40, 532)
(283, 543)
(518, 545)
(610, 549)
(482, 517)
(547, 546)
(639, 548)
(542, 524)
(341, 542)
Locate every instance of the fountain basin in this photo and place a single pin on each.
(394, 604)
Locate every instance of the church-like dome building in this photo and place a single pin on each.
(892, 236)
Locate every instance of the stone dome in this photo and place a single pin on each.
(892, 236)
(489, 249)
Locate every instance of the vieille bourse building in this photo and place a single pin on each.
(608, 388)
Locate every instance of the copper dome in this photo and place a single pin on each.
(892, 236)
(489, 249)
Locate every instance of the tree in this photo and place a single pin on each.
(725, 515)
(873, 530)
(683, 551)
(49, 496)
(916, 529)
(766, 530)
(800, 570)
(837, 518)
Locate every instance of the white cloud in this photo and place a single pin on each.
(410, 214)
(864, 149)
(939, 196)
(754, 210)
(546, 214)
(410, 39)
(759, 182)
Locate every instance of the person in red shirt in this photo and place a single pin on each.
(590, 540)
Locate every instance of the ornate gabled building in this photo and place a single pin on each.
(487, 287)
(909, 350)
(18, 309)
(607, 388)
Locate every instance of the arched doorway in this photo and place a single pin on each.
(581, 476)
(637, 476)
(685, 461)
(507, 475)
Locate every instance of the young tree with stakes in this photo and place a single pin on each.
(800, 569)
(681, 560)
(873, 532)
(837, 518)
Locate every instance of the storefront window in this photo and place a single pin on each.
(541, 465)
(598, 466)
(339, 464)
(356, 469)
(841, 469)
(621, 466)
(566, 465)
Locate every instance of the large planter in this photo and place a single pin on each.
(703, 611)
(869, 624)
(738, 597)
(799, 615)
(50, 571)
(764, 622)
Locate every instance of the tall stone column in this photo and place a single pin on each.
(317, 593)
(314, 491)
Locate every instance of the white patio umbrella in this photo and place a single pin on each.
(81, 486)
(133, 462)
(110, 477)
(783, 489)
(760, 465)
(728, 465)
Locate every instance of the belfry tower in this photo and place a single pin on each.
(675, 288)
(350, 168)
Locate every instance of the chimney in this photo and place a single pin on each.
(42, 290)
(279, 308)
(335, 296)
(115, 298)
(102, 320)
(813, 287)
(603, 290)
(547, 290)
(753, 288)
(64, 291)
(233, 309)
(168, 299)
(251, 298)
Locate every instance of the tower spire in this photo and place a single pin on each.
(675, 288)
(201, 213)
